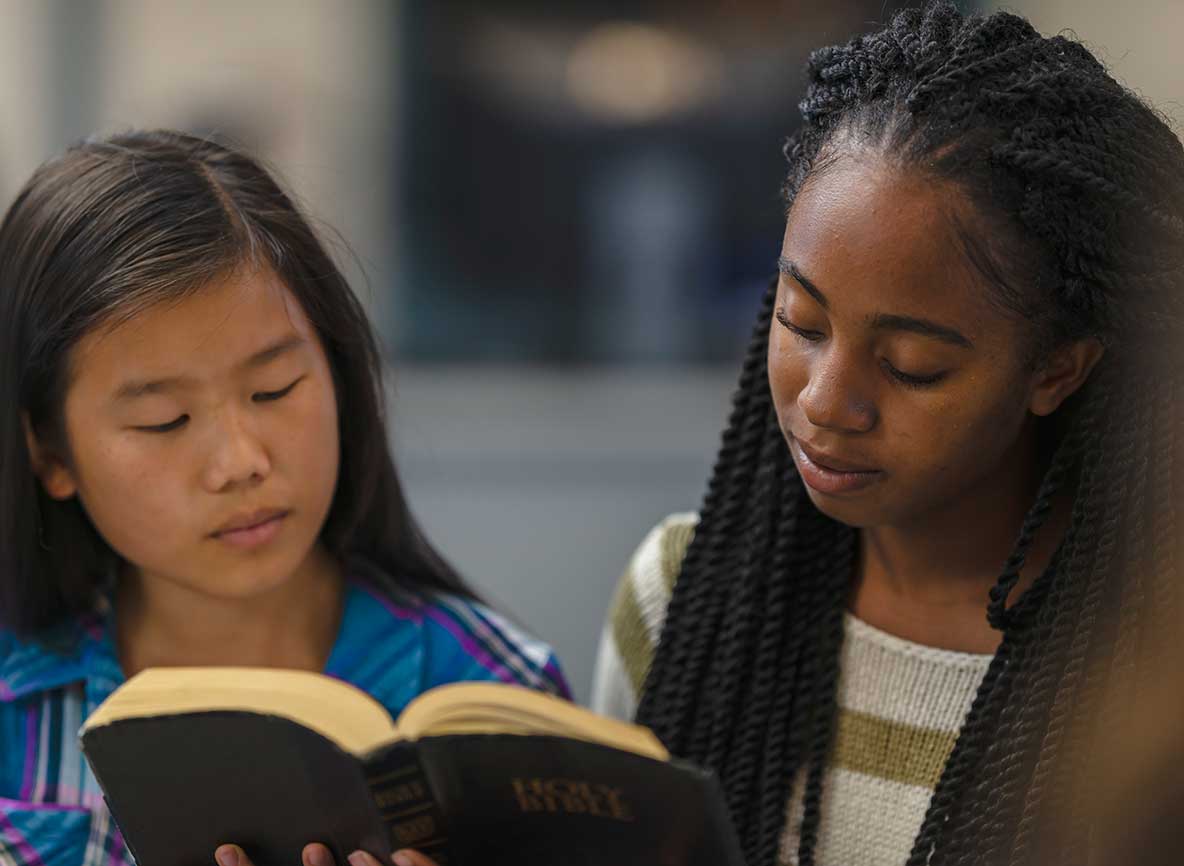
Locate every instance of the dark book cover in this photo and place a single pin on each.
(180, 786)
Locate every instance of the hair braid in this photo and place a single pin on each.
(1053, 481)
(777, 773)
(732, 672)
(1061, 632)
(1166, 525)
(744, 771)
(823, 697)
(1000, 720)
(699, 602)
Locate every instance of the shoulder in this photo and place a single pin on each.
(643, 591)
(637, 614)
(48, 661)
(467, 640)
(47, 798)
(41, 690)
(657, 561)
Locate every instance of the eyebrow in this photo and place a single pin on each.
(141, 388)
(788, 268)
(882, 321)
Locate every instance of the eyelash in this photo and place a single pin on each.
(912, 381)
(271, 396)
(261, 397)
(175, 424)
(909, 381)
(808, 336)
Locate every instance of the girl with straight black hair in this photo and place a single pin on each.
(194, 470)
(943, 515)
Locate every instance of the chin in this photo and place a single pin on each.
(857, 515)
(253, 577)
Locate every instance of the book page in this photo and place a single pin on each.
(493, 708)
(335, 709)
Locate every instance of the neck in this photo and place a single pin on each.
(294, 625)
(929, 580)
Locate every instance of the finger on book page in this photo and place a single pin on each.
(410, 857)
(316, 854)
(403, 857)
(231, 855)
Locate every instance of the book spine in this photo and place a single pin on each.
(406, 803)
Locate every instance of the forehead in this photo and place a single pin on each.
(201, 334)
(877, 238)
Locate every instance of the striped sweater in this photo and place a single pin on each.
(51, 809)
(900, 708)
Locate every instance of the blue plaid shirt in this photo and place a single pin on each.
(51, 809)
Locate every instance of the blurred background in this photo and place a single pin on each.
(560, 216)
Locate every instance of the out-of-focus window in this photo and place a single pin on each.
(597, 181)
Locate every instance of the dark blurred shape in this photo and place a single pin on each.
(1123, 797)
(1130, 789)
(597, 182)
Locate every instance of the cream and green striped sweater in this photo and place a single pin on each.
(900, 707)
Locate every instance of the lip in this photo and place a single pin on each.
(248, 519)
(827, 473)
(252, 529)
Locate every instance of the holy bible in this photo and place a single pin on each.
(473, 773)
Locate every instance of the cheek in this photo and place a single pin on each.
(960, 435)
(132, 492)
(306, 435)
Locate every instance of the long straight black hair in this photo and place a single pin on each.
(1079, 188)
(116, 225)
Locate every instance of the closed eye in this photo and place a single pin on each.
(807, 335)
(270, 396)
(176, 424)
(910, 380)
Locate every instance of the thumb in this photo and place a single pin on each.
(402, 857)
(411, 857)
(231, 855)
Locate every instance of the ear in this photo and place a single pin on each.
(1062, 373)
(48, 465)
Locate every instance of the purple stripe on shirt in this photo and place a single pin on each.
(551, 669)
(471, 646)
(116, 848)
(32, 719)
(12, 839)
(500, 644)
(473, 649)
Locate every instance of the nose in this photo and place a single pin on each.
(837, 396)
(237, 455)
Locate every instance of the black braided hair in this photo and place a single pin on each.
(1079, 188)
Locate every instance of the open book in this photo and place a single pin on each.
(190, 758)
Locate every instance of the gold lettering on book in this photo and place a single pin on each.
(397, 795)
(571, 797)
(416, 830)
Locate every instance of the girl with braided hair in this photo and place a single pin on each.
(941, 519)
